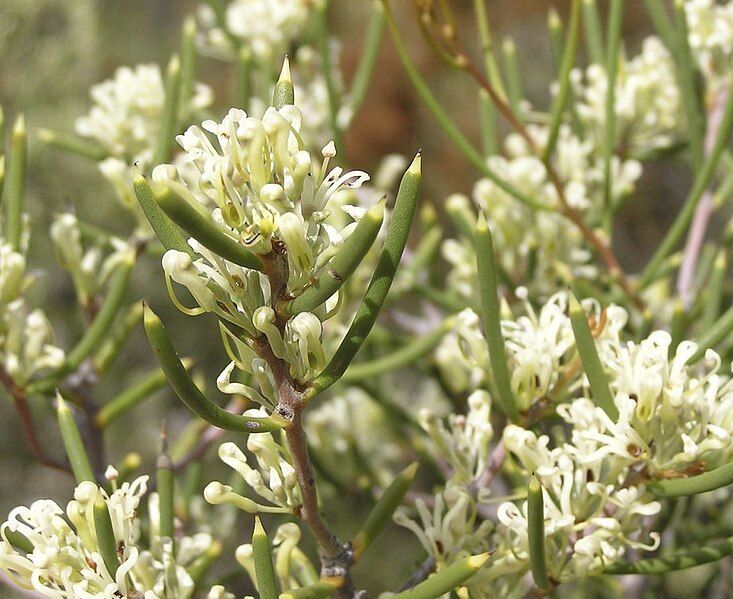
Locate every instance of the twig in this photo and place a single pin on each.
(703, 211)
(461, 60)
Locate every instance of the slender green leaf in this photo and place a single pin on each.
(593, 33)
(384, 273)
(204, 229)
(264, 568)
(536, 533)
(382, 512)
(105, 535)
(491, 312)
(600, 391)
(187, 390)
(446, 580)
(73, 144)
(169, 118)
(73, 444)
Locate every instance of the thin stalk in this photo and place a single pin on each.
(615, 21)
(446, 580)
(593, 32)
(14, 186)
(167, 232)
(317, 590)
(712, 551)
(73, 144)
(165, 482)
(515, 91)
(568, 60)
(714, 290)
(132, 396)
(187, 390)
(244, 77)
(188, 64)
(406, 355)
(722, 476)
(365, 70)
(488, 126)
(105, 535)
(487, 46)
(204, 230)
(324, 47)
(692, 98)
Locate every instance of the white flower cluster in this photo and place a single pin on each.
(543, 248)
(269, 194)
(89, 268)
(26, 337)
(710, 35)
(647, 101)
(267, 27)
(675, 419)
(56, 552)
(273, 478)
(125, 119)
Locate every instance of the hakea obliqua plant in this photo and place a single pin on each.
(572, 421)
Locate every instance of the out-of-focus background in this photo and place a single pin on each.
(52, 51)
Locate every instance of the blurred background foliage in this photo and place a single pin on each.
(52, 51)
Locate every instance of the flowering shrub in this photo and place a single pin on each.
(536, 417)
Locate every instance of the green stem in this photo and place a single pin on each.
(324, 47)
(406, 355)
(568, 60)
(131, 397)
(712, 551)
(14, 185)
(493, 73)
(317, 590)
(204, 230)
(105, 535)
(615, 21)
(364, 71)
(73, 144)
(513, 72)
(593, 33)
(168, 233)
